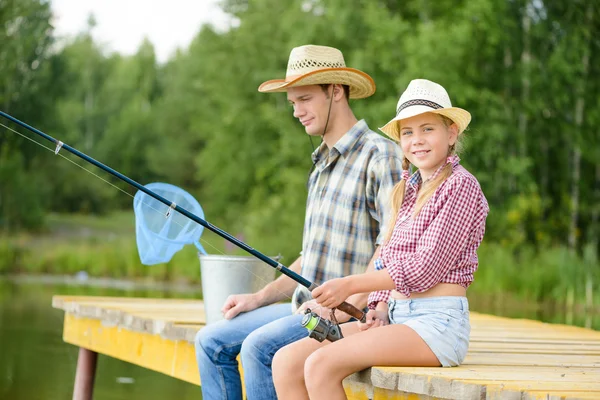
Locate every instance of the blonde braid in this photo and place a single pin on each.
(396, 200)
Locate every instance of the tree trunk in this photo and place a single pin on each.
(595, 233)
(579, 114)
(525, 80)
(508, 108)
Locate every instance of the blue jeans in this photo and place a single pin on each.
(257, 335)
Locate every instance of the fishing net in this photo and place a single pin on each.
(162, 231)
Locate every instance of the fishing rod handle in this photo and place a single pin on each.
(346, 307)
(351, 310)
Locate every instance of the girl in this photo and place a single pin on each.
(419, 315)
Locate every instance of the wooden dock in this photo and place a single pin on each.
(508, 359)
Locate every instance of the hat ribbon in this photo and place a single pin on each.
(418, 102)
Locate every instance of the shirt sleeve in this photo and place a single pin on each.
(452, 216)
(380, 295)
(383, 174)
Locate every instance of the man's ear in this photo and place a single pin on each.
(338, 92)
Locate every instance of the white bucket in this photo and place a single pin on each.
(224, 275)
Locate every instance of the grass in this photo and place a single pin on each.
(106, 247)
(100, 246)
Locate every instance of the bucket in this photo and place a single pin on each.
(224, 275)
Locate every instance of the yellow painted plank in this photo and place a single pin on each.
(507, 357)
(173, 358)
(386, 394)
(362, 391)
(560, 395)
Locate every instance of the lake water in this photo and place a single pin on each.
(36, 364)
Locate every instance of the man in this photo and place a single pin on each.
(354, 172)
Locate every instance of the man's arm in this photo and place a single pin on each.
(280, 289)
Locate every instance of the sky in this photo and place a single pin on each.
(121, 25)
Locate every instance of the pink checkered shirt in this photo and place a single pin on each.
(440, 244)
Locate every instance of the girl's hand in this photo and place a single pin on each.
(332, 293)
(375, 319)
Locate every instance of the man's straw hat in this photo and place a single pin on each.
(315, 65)
(422, 96)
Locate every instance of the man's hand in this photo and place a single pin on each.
(323, 312)
(314, 307)
(238, 303)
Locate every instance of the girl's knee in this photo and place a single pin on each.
(317, 368)
(285, 367)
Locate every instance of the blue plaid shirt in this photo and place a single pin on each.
(348, 203)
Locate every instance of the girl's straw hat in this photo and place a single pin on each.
(315, 65)
(422, 96)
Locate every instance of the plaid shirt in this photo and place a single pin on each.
(348, 194)
(440, 244)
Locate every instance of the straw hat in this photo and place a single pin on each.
(423, 96)
(315, 65)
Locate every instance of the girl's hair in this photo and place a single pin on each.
(426, 190)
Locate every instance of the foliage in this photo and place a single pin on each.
(526, 70)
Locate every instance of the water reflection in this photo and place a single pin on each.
(508, 306)
(36, 364)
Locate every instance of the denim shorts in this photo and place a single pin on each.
(442, 322)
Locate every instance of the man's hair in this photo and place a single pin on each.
(325, 87)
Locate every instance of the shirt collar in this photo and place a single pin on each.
(344, 145)
(415, 178)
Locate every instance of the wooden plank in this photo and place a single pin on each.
(440, 382)
(173, 358)
(531, 340)
(502, 373)
(547, 360)
(508, 359)
(559, 395)
(153, 316)
(573, 345)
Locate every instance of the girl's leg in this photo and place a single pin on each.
(390, 345)
(288, 365)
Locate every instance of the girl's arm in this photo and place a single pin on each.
(458, 211)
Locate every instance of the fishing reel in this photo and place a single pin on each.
(321, 328)
(301, 295)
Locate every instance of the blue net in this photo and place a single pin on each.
(160, 230)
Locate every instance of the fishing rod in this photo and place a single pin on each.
(311, 319)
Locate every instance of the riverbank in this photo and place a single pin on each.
(104, 248)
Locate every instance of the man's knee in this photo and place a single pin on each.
(209, 340)
(261, 346)
(253, 346)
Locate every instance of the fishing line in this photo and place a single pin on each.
(130, 195)
(344, 306)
